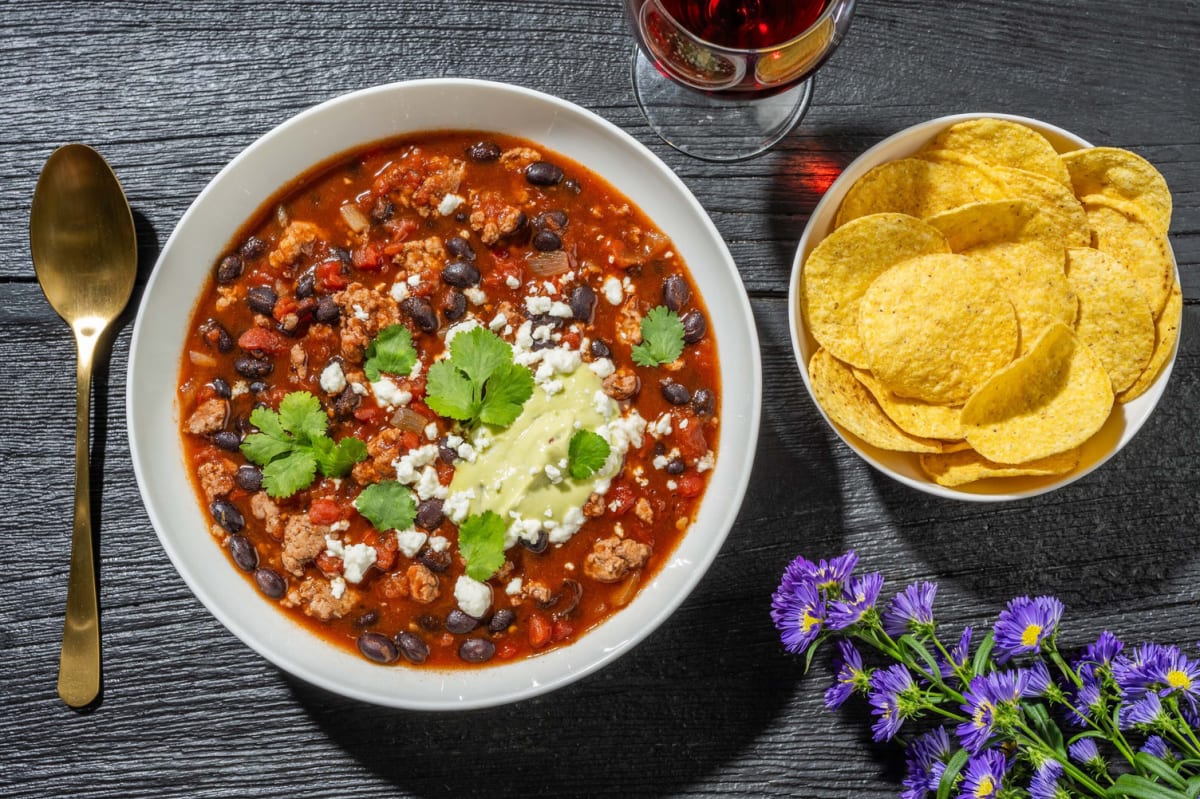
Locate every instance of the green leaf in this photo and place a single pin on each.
(586, 454)
(301, 415)
(387, 505)
(261, 448)
(481, 542)
(1156, 767)
(478, 353)
(918, 649)
(267, 421)
(1137, 787)
(392, 351)
(1193, 788)
(505, 394)
(285, 476)
(953, 767)
(449, 392)
(1045, 726)
(980, 662)
(662, 338)
(336, 460)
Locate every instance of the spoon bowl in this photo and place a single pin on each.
(84, 249)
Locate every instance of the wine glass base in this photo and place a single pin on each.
(713, 127)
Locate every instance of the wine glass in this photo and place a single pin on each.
(724, 80)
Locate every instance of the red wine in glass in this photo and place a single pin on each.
(745, 24)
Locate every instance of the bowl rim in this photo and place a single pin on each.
(733, 466)
(917, 135)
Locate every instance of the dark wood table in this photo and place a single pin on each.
(170, 91)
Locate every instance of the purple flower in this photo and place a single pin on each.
(1146, 711)
(1135, 672)
(1155, 745)
(1025, 624)
(911, 610)
(850, 676)
(1098, 655)
(988, 697)
(1039, 680)
(858, 596)
(927, 758)
(892, 689)
(1044, 784)
(958, 655)
(1087, 703)
(824, 575)
(799, 615)
(1176, 674)
(984, 776)
(1085, 752)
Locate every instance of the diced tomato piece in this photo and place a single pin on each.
(620, 499)
(416, 387)
(561, 629)
(497, 277)
(540, 631)
(329, 275)
(369, 414)
(571, 339)
(445, 472)
(400, 232)
(690, 485)
(324, 511)
(329, 564)
(385, 549)
(367, 257)
(420, 407)
(263, 340)
(690, 440)
(409, 440)
(506, 650)
(285, 306)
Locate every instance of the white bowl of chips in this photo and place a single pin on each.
(986, 307)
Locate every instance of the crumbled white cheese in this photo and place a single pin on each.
(602, 367)
(473, 597)
(612, 291)
(337, 587)
(660, 462)
(542, 333)
(359, 389)
(428, 486)
(514, 587)
(512, 282)
(553, 473)
(461, 327)
(458, 505)
(431, 431)
(357, 559)
(389, 394)
(340, 526)
(399, 291)
(410, 541)
(475, 295)
(538, 305)
(238, 389)
(449, 204)
(705, 463)
(661, 426)
(414, 280)
(499, 322)
(466, 452)
(561, 310)
(672, 485)
(333, 379)
(360, 314)
(572, 521)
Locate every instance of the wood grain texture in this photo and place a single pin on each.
(708, 705)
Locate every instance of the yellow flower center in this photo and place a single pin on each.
(986, 788)
(1030, 636)
(1178, 679)
(978, 719)
(808, 621)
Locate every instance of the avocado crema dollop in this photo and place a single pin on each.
(522, 472)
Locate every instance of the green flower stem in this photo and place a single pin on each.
(960, 673)
(1194, 743)
(950, 714)
(1033, 741)
(1066, 670)
(884, 643)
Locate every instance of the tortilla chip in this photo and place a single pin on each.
(1004, 143)
(917, 187)
(1166, 333)
(968, 466)
(913, 416)
(1121, 174)
(1142, 251)
(1115, 321)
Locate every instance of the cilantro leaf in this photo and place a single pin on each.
(505, 393)
(391, 351)
(291, 444)
(662, 338)
(479, 381)
(388, 505)
(450, 393)
(481, 542)
(587, 454)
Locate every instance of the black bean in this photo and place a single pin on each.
(248, 477)
(243, 552)
(446, 453)
(454, 305)
(221, 387)
(572, 592)
(501, 620)
(341, 254)
(704, 402)
(543, 173)
(368, 619)
(477, 650)
(458, 622)
(215, 335)
(675, 393)
(460, 273)
(483, 151)
(226, 515)
(676, 293)
(229, 270)
(258, 387)
(676, 466)
(583, 306)
(430, 514)
(306, 285)
(420, 310)
(659, 448)
(412, 647)
(460, 248)
(262, 299)
(253, 367)
(547, 241)
(539, 544)
(327, 311)
(554, 221)
(435, 561)
(383, 209)
(227, 440)
(346, 402)
(572, 185)
(377, 647)
(270, 582)
(600, 349)
(429, 622)
(252, 248)
(694, 326)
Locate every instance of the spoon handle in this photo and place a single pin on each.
(79, 664)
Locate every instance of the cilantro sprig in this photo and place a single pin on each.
(479, 381)
(292, 445)
(388, 505)
(662, 338)
(481, 542)
(586, 454)
(391, 351)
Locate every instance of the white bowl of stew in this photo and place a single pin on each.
(1122, 424)
(304, 172)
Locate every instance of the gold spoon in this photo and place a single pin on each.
(85, 255)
